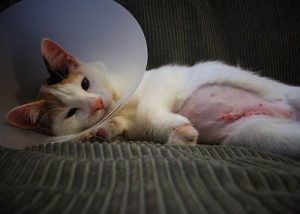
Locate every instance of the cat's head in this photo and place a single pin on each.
(76, 96)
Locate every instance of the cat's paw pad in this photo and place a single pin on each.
(183, 134)
(102, 133)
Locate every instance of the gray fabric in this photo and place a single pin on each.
(142, 177)
(262, 35)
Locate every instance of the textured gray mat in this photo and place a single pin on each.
(262, 35)
(141, 177)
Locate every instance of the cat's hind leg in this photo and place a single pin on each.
(293, 96)
(281, 136)
(183, 134)
(168, 127)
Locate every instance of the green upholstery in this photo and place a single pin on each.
(139, 177)
(262, 35)
(143, 177)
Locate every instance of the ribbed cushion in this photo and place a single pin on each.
(141, 177)
(262, 35)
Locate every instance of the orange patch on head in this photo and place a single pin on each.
(71, 77)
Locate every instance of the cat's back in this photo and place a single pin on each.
(168, 78)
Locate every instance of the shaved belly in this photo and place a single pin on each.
(214, 109)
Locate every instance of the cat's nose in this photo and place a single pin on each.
(96, 104)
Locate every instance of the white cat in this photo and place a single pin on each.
(210, 102)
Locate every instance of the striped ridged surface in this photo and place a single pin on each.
(262, 35)
(141, 177)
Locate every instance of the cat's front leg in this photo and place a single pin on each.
(109, 130)
(98, 134)
(117, 127)
(114, 129)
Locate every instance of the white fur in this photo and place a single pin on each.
(267, 134)
(151, 112)
(163, 91)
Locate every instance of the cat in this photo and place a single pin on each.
(209, 103)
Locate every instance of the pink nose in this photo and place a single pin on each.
(97, 104)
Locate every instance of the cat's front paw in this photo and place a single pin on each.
(97, 135)
(183, 134)
(112, 129)
(116, 126)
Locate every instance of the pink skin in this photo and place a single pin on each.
(260, 109)
(97, 104)
(212, 108)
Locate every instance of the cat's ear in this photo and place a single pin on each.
(58, 61)
(26, 116)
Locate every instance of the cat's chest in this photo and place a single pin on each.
(211, 108)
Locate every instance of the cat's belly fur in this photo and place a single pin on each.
(214, 110)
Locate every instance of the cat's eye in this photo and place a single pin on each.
(85, 84)
(71, 112)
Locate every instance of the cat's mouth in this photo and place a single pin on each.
(96, 116)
